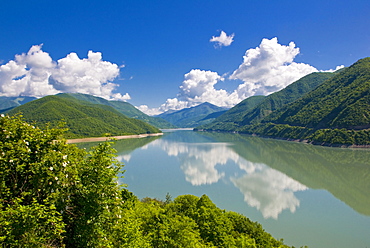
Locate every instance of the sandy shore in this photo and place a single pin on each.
(96, 139)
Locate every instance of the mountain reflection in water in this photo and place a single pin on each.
(292, 189)
(269, 172)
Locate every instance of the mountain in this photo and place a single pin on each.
(231, 117)
(122, 107)
(342, 102)
(336, 112)
(194, 116)
(253, 109)
(83, 119)
(7, 103)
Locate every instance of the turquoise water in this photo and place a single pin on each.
(307, 195)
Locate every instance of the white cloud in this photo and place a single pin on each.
(27, 75)
(36, 74)
(149, 111)
(197, 87)
(222, 40)
(266, 69)
(333, 70)
(269, 68)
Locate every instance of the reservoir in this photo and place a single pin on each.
(305, 194)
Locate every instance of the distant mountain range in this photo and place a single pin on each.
(322, 108)
(7, 103)
(191, 117)
(82, 118)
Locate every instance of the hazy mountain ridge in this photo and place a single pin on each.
(7, 103)
(194, 116)
(82, 118)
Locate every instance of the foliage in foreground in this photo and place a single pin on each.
(56, 195)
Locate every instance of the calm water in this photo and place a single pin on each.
(307, 195)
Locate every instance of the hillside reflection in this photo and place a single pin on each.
(266, 189)
(268, 172)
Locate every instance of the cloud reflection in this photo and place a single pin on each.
(266, 189)
(198, 160)
(270, 191)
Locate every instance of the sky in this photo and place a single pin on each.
(162, 55)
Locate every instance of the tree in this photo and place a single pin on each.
(52, 193)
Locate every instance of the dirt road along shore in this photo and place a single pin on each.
(96, 139)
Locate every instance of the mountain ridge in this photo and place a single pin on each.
(193, 116)
(335, 113)
(83, 119)
(123, 107)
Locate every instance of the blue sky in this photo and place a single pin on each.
(160, 52)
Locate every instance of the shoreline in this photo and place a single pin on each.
(95, 139)
(303, 141)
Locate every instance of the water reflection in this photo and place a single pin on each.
(276, 178)
(270, 191)
(267, 172)
(266, 189)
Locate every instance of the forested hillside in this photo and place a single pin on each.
(231, 118)
(337, 112)
(122, 107)
(83, 119)
(194, 116)
(342, 102)
(57, 195)
(253, 109)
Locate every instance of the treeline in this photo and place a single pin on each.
(56, 195)
(339, 137)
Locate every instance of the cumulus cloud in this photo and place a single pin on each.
(198, 87)
(269, 68)
(265, 69)
(36, 74)
(222, 40)
(334, 70)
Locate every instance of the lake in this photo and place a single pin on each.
(305, 194)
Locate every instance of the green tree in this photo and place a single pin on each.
(52, 193)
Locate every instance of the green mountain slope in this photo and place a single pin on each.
(287, 95)
(122, 107)
(194, 116)
(83, 119)
(342, 102)
(253, 109)
(336, 112)
(229, 119)
(7, 103)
